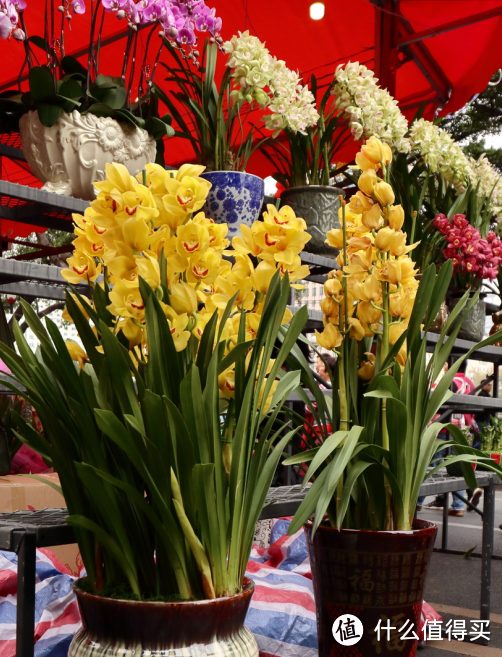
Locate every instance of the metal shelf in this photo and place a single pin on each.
(34, 206)
(29, 279)
(487, 354)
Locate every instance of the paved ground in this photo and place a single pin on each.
(453, 583)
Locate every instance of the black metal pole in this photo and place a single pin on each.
(487, 550)
(444, 536)
(25, 615)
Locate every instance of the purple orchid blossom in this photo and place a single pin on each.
(77, 6)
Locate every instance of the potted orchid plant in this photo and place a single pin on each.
(371, 444)
(74, 119)
(164, 423)
(221, 117)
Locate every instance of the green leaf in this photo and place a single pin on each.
(71, 65)
(49, 114)
(157, 128)
(41, 85)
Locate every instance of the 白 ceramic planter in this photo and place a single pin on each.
(473, 324)
(235, 198)
(189, 629)
(373, 576)
(318, 205)
(69, 156)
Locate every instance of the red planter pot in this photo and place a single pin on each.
(375, 576)
(202, 628)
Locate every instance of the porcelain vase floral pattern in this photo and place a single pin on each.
(235, 198)
(69, 156)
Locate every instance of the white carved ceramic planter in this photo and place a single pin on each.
(71, 155)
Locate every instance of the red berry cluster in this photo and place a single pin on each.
(469, 253)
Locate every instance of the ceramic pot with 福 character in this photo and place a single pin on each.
(378, 577)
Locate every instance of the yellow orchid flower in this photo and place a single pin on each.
(148, 268)
(384, 193)
(367, 181)
(126, 301)
(247, 244)
(185, 196)
(77, 353)
(117, 177)
(183, 298)
(84, 307)
(359, 203)
(217, 232)
(368, 313)
(132, 331)
(192, 239)
(367, 369)
(226, 383)
(364, 163)
(396, 217)
(178, 325)
(82, 268)
(285, 217)
(230, 285)
(330, 338)
(204, 267)
(270, 396)
(136, 234)
(262, 276)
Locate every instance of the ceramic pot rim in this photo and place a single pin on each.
(425, 528)
(244, 173)
(315, 188)
(247, 590)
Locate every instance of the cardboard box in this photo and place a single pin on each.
(20, 493)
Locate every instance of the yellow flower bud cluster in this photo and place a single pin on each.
(376, 281)
(126, 229)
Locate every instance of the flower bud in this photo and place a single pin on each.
(367, 181)
(396, 217)
(386, 154)
(332, 287)
(18, 34)
(121, 14)
(364, 164)
(384, 193)
(367, 369)
(372, 150)
(329, 307)
(398, 245)
(373, 218)
(384, 238)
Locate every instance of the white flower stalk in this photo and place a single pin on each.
(292, 105)
(488, 182)
(371, 110)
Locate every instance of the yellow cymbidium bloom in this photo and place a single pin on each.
(230, 285)
(226, 382)
(77, 353)
(367, 181)
(117, 178)
(192, 239)
(204, 268)
(148, 268)
(136, 233)
(359, 203)
(84, 307)
(262, 276)
(384, 193)
(247, 244)
(368, 313)
(184, 197)
(367, 369)
(268, 401)
(134, 333)
(183, 298)
(178, 325)
(330, 338)
(217, 232)
(82, 268)
(284, 217)
(126, 301)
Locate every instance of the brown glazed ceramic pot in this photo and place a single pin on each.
(135, 629)
(375, 576)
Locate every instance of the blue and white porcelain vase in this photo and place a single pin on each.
(235, 198)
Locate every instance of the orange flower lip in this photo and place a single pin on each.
(138, 307)
(229, 386)
(183, 201)
(96, 247)
(99, 230)
(200, 272)
(271, 241)
(190, 249)
(281, 223)
(81, 270)
(173, 331)
(130, 211)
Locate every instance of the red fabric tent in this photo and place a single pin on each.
(437, 51)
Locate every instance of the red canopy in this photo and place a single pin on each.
(437, 51)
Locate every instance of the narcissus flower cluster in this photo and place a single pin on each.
(473, 258)
(373, 291)
(132, 231)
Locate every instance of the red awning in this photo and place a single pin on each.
(438, 51)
